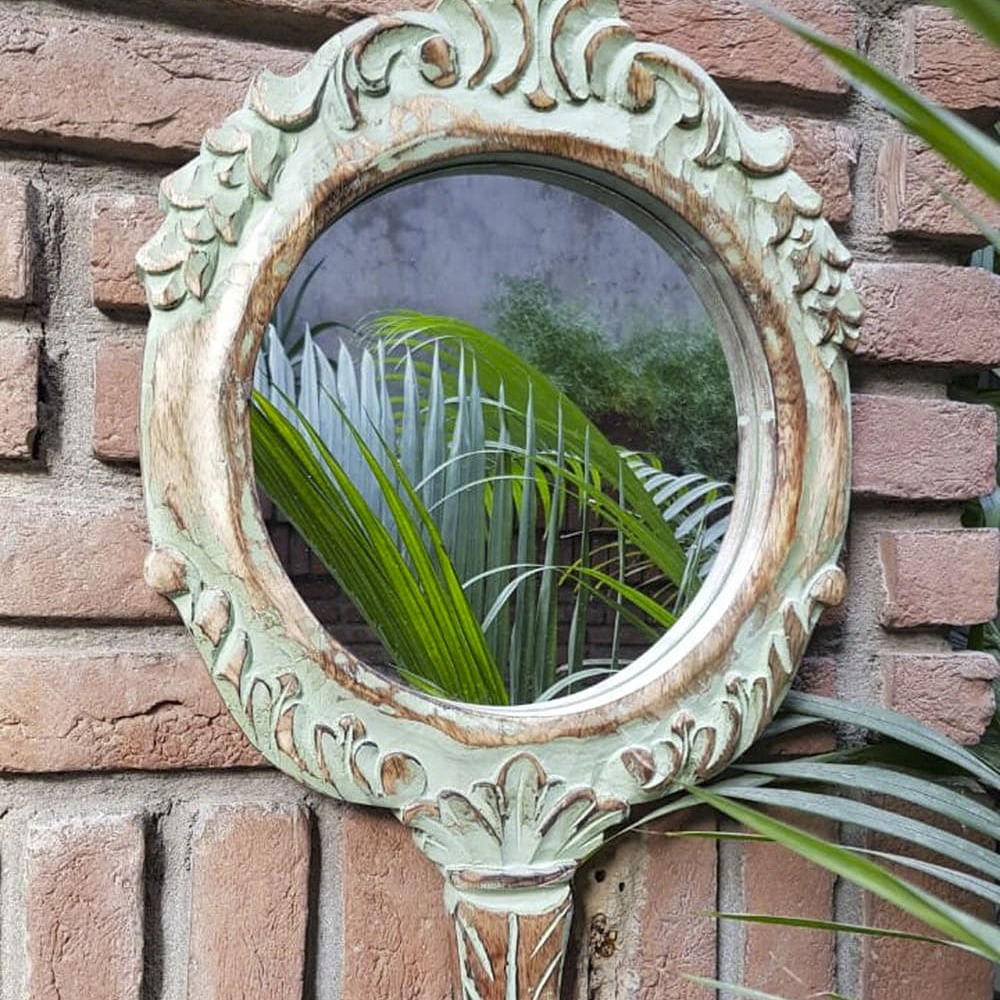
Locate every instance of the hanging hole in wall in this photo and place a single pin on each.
(509, 377)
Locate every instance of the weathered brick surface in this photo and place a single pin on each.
(19, 357)
(923, 449)
(939, 577)
(119, 227)
(338, 12)
(892, 969)
(677, 936)
(79, 712)
(57, 564)
(775, 881)
(249, 903)
(398, 939)
(952, 692)
(17, 249)
(609, 905)
(910, 205)
(948, 61)
(84, 909)
(118, 370)
(929, 313)
(734, 42)
(151, 92)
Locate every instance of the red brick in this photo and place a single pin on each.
(16, 242)
(77, 566)
(677, 936)
(923, 449)
(100, 712)
(18, 396)
(929, 314)
(778, 882)
(119, 227)
(951, 692)
(151, 93)
(609, 900)
(118, 371)
(736, 43)
(84, 909)
(825, 155)
(909, 203)
(398, 938)
(949, 61)
(939, 577)
(892, 969)
(249, 903)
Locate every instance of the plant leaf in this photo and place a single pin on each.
(938, 915)
(804, 923)
(899, 727)
(920, 791)
(983, 15)
(973, 153)
(740, 991)
(885, 821)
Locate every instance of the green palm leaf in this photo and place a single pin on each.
(498, 365)
(487, 463)
(975, 154)
(408, 590)
(942, 917)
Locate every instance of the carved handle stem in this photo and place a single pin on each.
(511, 942)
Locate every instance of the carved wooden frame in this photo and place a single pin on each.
(506, 801)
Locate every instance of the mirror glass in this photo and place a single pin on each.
(497, 427)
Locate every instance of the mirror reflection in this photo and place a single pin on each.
(496, 413)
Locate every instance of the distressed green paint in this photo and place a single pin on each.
(518, 795)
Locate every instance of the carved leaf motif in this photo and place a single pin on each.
(292, 103)
(552, 52)
(345, 756)
(511, 954)
(199, 269)
(688, 751)
(523, 820)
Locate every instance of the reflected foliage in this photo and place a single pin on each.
(473, 513)
(657, 387)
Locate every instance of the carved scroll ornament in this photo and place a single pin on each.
(506, 801)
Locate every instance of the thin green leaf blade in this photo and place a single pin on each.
(919, 791)
(941, 917)
(983, 15)
(740, 991)
(973, 153)
(899, 727)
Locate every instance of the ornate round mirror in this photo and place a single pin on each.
(505, 798)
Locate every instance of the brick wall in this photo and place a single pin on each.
(136, 824)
